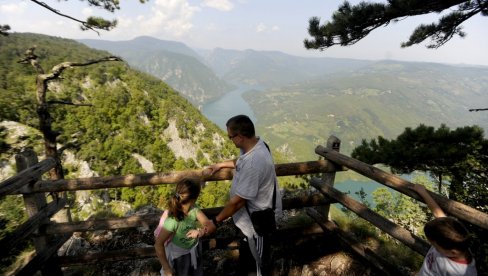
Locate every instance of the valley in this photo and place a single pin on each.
(297, 103)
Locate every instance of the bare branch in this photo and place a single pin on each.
(58, 69)
(478, 109)
(30, 57)
(66, 103)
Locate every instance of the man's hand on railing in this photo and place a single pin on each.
(210, 170)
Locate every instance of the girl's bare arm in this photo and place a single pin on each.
(433, 206)
(159, 246)
(207, 226)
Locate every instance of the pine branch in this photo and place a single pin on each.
(92, 23)
(351, 23)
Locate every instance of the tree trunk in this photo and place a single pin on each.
(50, 136)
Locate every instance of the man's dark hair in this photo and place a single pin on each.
(242, 125)
(448, 233)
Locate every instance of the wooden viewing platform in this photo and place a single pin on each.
(48, 236)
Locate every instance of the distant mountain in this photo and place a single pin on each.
(203, 75)
(173, 62)
(272, 68)
(307, 99)
(142, 43)
(382, 98)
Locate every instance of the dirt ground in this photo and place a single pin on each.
(293, 253)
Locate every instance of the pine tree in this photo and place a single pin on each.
(351, 23)
(93, 23)
(459, 155)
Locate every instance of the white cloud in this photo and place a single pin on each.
(54, 26)
(260, 28)
(13, 8)
(123, 22)
(221, 5)
(212, 27)
(170, 16)
(87, 12)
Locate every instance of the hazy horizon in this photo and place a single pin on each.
(246, 24)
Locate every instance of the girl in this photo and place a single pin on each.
(449, 253)
(185, 224)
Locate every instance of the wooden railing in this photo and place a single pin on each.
(35, 192)
(49, 236)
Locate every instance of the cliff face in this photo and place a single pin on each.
(110, 120)
(128, 121)
(173, 62)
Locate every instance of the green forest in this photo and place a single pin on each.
(117, 113)
(124, 113)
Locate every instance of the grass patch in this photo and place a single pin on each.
(381, 243)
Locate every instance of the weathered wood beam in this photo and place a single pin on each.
(334, 144)
(310, 167)
(30, 226)
(34, 204)
(452, 207)
(146, 179)
(150, 221)
(146, 221)
(42, 257)
(349, 240)
(14, 183)
(224, 242)
(399, 233)
(132, 180)
(111, 256)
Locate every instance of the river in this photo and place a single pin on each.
(232, 103)
(229, 105)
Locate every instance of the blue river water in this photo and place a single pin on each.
(229, 105)
(232, 103)
(354, 186)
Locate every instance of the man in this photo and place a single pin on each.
(253, 185)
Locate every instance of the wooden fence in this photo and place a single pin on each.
(48, 236)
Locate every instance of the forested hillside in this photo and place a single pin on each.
(134, 122)
(305, 100)
(382, 98)
(173, 62)
(131, 122)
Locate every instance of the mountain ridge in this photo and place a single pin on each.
(171, 61)
(443, 89)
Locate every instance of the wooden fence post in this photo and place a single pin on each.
(333, 143)
(33, 204)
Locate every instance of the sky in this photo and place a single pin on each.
(270, 25)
